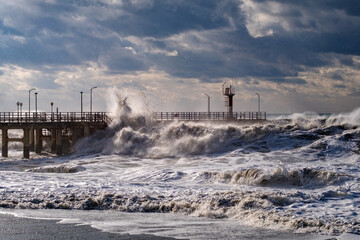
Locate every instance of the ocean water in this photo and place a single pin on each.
(297, 173)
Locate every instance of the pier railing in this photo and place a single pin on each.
(208, 116)
(33, 117)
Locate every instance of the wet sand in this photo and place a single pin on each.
(18, 228)
(14, 228)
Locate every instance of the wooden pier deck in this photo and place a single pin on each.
(54, 127)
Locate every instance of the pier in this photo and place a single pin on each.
(245, 117)
(56, 127)
(63, 129)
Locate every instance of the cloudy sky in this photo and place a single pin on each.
(299, 55)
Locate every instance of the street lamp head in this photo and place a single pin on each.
(51, 103)
(21, 104)
(257, 94)
(93, 88)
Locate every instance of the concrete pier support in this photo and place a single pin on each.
(59, 145)
(26, 143)
(86, 131)
(74, 135)
(38, 141)
(53, 140)
(31, 139)
(5, 142)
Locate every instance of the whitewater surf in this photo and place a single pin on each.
(300, 174)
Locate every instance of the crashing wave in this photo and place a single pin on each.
(136, 134)
(256, 209)
(63, 168)
(306, 177)
(351, 119)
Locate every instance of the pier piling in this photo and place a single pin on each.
(53, 140)
(59, 141)
(5, 142)
(38, 140)
(26, 143)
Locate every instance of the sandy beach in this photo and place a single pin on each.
(14, 228)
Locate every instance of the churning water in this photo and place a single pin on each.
(297, 172)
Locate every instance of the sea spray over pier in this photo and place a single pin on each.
(297, 172)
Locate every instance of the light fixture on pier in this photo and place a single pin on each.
(258, 102)
(81, 105)
(208, 103)
(36, 94)
(29, 98)
(21, 104)
(18, 104)
(91, 99)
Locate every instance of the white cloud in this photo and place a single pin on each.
(145, 46)
(262, 18)
(266, 18)
(17, 78)
(19, 39)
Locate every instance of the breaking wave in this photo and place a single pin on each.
(248, 207)
(136, 134)
(350, 119)
(281, 177)
(62, 168)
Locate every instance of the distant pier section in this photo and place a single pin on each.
(60, 129)
(245, 117)
(228, 91)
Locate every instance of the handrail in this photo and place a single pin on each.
(34, 117)
(208, 116)
(103, 117)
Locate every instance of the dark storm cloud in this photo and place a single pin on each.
(165, 18)
(341, 86)
(307, 34)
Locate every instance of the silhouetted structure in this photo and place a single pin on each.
(229, 92)
(54, 127)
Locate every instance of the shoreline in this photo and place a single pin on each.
(16, 228)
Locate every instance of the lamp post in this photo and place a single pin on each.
(52, 112)
(18, 104)
(81, 105)
(36, 106)
(91, 101)
(21, 104)
(208, 104)
(258, 102)
(29, 99)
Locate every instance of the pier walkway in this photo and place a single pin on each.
(60, 128)
(210, 116)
